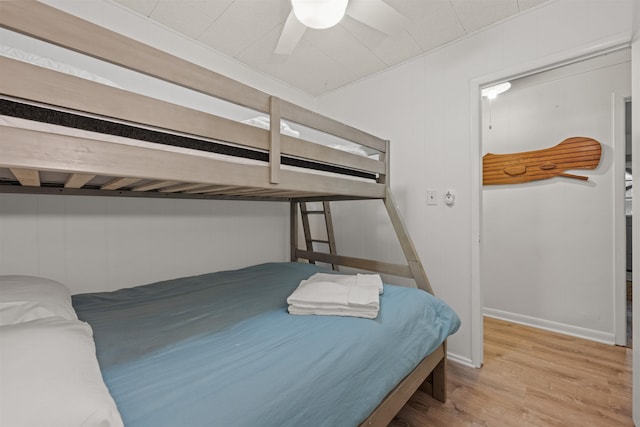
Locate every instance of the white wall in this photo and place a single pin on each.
(106, 243)
(548, 252)
(424, 108)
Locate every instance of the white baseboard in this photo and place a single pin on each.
(549, 325)
(451, 357)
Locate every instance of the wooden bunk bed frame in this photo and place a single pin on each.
(40, 162)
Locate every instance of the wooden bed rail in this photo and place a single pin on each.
(428, 376)
(359, 263)
(22, 151)
(49, 87)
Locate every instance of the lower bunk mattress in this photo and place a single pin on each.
(220, 349)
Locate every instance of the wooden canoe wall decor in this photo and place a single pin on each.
(515, 168)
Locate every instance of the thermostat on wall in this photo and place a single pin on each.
(449, 198)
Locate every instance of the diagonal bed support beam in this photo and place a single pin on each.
(409, 250)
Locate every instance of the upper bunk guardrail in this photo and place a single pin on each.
(46, 23)
(49, 87)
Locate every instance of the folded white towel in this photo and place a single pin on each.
(334, 311)
(337, 295)
(350, 279)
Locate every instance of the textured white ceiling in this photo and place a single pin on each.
(248, 31)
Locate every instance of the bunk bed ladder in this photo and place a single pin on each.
(412, 269)
(330, 241)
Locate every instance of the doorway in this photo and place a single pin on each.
(547, 257)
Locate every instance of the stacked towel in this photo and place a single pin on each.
(338, 295)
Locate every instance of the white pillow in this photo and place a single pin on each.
(50, 376)
(25, 298)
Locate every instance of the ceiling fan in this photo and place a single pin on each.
(320, 14)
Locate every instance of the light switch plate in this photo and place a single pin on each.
(432, 197)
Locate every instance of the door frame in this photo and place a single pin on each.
(475, 108)
(620, 236)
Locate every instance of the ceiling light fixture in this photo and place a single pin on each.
(319, 14)
(493, 91)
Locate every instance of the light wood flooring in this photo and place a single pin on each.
(531, 377)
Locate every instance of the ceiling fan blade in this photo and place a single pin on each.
(291, 34)
(377, 14)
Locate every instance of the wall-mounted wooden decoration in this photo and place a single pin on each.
(515, 168)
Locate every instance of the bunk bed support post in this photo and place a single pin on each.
(274, 140)
(439, 378)
(293, 230)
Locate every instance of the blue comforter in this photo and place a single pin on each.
(220, 349)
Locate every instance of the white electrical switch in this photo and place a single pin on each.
(432, 197)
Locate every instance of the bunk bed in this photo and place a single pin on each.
(63, 134)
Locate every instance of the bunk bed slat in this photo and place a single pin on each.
(119, 183)
(154, 185)
(203, 189)
(231, 190)
(26, 177)
(78, 180)
(181, 188)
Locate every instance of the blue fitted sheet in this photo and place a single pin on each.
(220, 349)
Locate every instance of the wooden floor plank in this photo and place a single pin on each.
(531, 377)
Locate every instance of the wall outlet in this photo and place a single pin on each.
(432, 197)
